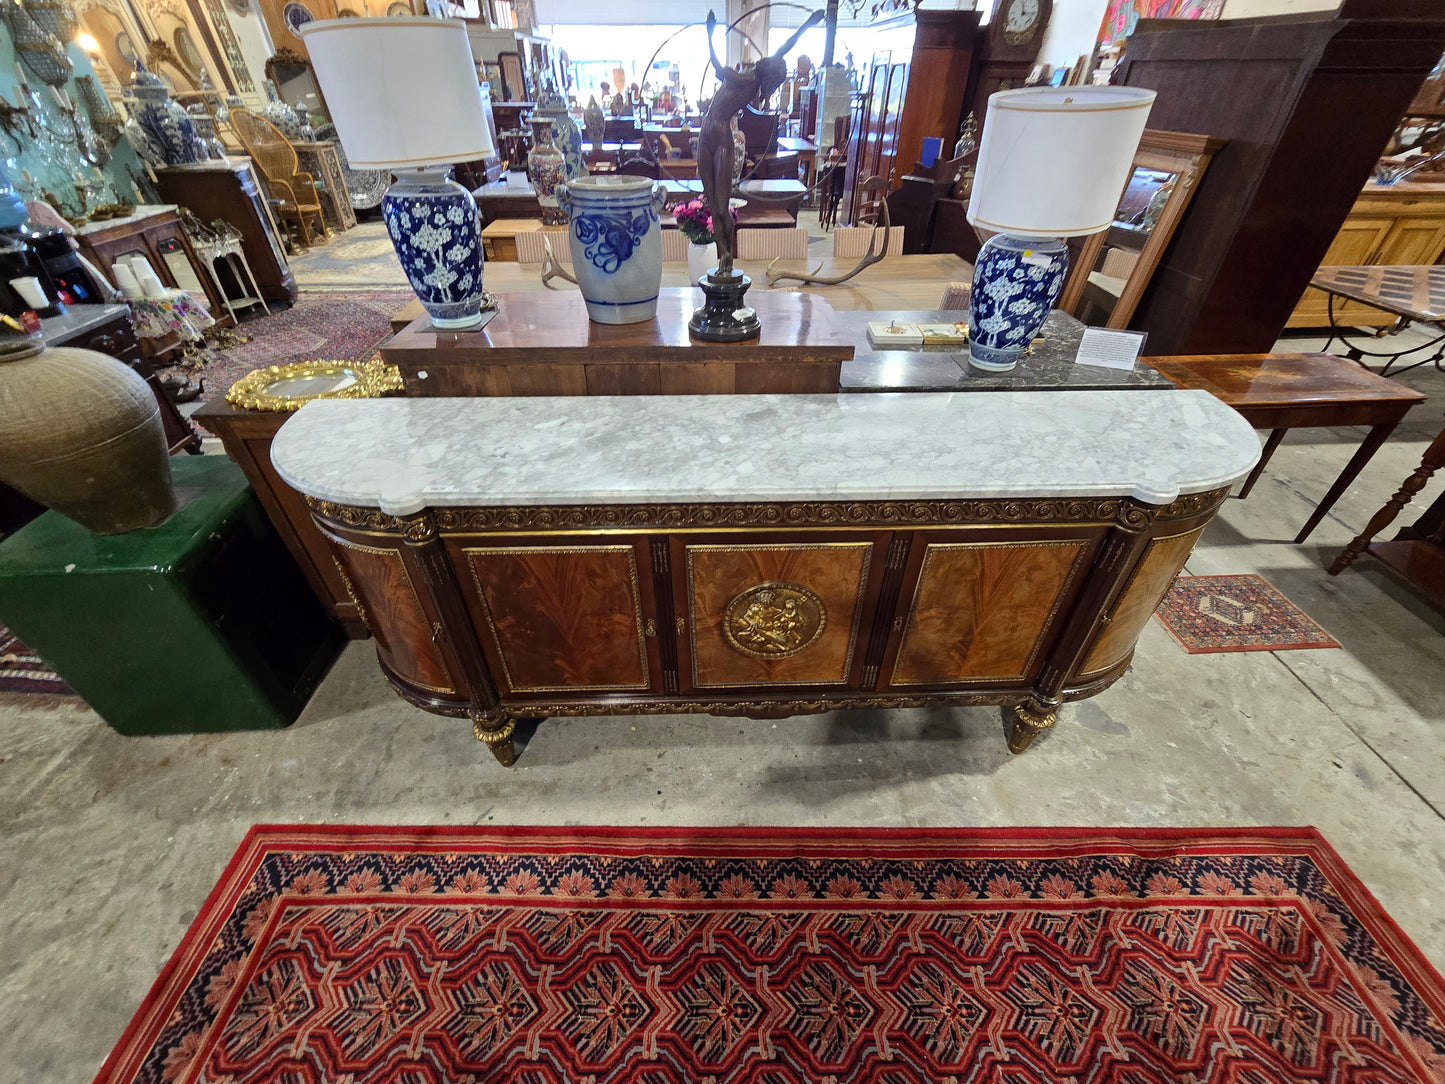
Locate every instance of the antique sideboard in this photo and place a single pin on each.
(760, 555)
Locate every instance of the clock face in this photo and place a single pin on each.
(1021, 15)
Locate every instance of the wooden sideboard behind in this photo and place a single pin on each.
(1401, 225)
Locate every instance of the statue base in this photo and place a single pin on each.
(724, 318)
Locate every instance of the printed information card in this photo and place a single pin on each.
(1110, 349)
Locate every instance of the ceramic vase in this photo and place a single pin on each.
(81, 434)
(546, 169)
(700, 260)
(616, 240)
(1015, 283)
(566, 136)
(288, 122)
(160, 128)
(437, 232)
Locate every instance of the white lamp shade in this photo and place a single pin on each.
(403, 93)
(1054, 160)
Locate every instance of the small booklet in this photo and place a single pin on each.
(955, 334)
(894, 333)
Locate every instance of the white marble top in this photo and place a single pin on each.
(402, 455)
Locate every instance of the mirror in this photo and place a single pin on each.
(187, 51)
(296, 83)
(1114, 267)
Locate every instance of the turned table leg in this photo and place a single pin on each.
(1026, 721)
(1433, 459)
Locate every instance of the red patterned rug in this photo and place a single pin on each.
(785, 956)
(23, 671)
(331, 325)
(1236, 613)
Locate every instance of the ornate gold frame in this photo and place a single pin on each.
(374, 378)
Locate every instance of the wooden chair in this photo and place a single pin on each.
(955, 296)
(854, 241)
(777, 167)
(760, 131)
(293, 191)
(772, 244)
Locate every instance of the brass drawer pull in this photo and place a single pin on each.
(650, 629)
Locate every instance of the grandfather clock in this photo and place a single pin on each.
(1008, 51)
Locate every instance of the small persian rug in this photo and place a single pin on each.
(331, 325)
(783, 956)
(23, 671)
(1236, 613)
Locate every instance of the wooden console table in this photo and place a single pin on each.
(542, 343)
(764, 556)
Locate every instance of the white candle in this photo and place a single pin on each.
(152, 285)
(31, 291)
(125, 280)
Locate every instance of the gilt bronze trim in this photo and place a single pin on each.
(373, 379)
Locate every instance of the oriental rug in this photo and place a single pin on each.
(785, 956)
(334, 325)
(1236, 613)
(23, 671)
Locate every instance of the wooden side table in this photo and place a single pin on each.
(1280, 392)
(154, 232)
(322, 162)
(1417, 553)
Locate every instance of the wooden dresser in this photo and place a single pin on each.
(1390, 226)
(229, 190)
(764, 556)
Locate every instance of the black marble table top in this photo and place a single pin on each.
(1048, 364)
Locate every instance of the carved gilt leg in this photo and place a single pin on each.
(1026, 721)
(496, 729)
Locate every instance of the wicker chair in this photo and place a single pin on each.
(293, 191)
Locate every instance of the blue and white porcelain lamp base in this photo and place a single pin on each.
(437, 232)
(1016, 281)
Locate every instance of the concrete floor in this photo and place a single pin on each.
(110, 844)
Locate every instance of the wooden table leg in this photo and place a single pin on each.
(1433, 459)
(1363, 454)
(1270, 445)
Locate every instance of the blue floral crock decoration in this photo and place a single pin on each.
(608, 240)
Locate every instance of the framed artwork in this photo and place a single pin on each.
(1121, 16)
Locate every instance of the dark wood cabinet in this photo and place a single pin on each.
(1306, 105)
(247, 435)
(499, 613)
(229, 190)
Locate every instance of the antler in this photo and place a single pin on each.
(551, 269)
(875, 253)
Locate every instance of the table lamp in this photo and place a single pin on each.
(1053, 164)
(404, 96)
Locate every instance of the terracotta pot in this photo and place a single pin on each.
(81, 433)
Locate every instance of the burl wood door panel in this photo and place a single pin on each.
(381, 586)
(775, 614)
(982, 611)
(1147, 585)
(558, 618)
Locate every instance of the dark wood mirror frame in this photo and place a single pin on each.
(1182, 153)
(284, 56)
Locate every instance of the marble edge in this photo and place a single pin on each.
(413, 497)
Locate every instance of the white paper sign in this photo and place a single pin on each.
(1109, 349)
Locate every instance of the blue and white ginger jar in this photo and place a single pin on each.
(436, 231)
(1015, 284)
(161, 130)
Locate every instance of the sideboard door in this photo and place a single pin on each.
(389, 600)
(1152, 577)
(562, 618)
(784, 613)
(978, 611)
